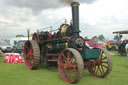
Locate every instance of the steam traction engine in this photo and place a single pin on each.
(67, 48)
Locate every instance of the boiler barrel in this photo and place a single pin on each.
(57, 47)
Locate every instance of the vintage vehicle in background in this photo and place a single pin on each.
(66, 48)
(111, 45)
(19, 47)
(121, 44)
(6, 47)
(95, 43)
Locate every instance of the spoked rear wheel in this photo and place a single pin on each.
(31, 54)
(70, 65)
(102, 66)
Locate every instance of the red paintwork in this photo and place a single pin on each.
(67, 68)
(97, 67)
(14, 58)
(28, 55)
(93, 44)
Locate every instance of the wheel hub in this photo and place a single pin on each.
(98, 61)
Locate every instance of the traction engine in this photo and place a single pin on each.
(67, 49)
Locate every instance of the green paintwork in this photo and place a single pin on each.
(90, 53)
(58, 47)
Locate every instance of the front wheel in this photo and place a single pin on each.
(70, 65)
(102, 66)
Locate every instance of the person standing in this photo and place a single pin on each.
(1, 53)
(126, 48)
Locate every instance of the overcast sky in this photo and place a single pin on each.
(96, 16)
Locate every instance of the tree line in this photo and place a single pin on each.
(100, 37)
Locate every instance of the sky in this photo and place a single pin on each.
(96, 16)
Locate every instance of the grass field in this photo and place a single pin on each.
(17, 74)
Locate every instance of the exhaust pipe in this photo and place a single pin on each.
(75, 18)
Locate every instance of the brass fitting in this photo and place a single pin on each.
(75, 4)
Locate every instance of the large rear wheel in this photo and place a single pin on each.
(70, 65)
(31, 54)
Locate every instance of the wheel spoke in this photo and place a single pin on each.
(64, 60)
(71, 60)
(67, 73)
(104, 61)
(100, 70)
(104, 66)
(101, 53)
(64, 56)
(104, 58)
(69, 55)
(96, 70)
(71, 75)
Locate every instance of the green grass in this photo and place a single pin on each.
(18, 74)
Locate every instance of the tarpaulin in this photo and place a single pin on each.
(13, 58)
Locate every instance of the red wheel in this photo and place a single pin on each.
(31, 54)
(70, 65)
(102, 66)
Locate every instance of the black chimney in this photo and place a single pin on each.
(75, 18)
